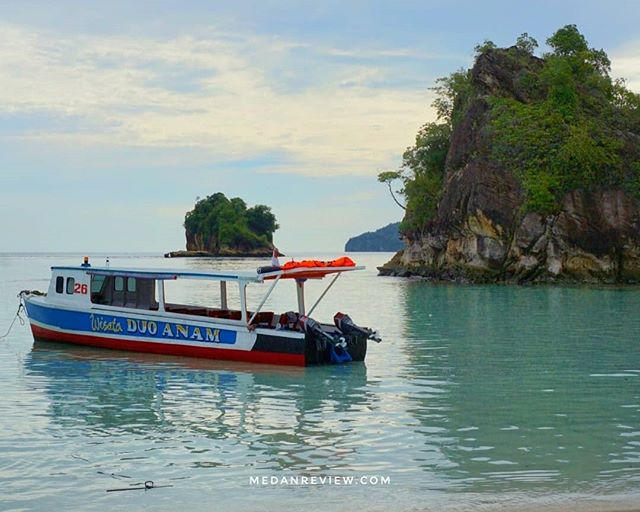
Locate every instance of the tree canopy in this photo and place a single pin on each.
(221, 223)
(578, 131)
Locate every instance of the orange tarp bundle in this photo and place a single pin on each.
(344, 261)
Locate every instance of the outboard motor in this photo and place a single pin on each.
(313, 327)
(334, 346)
(347, 326)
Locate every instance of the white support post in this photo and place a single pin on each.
(300, 291)
(264, 299)
(243, 301)
(324, 292)
(223, 295)
(160, 288)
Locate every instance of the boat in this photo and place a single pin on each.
(128, 309)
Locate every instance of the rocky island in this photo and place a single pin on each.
(532, 173)
(222, 227)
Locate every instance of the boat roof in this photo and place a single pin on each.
(214, 275)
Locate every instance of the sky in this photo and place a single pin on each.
(115, 116)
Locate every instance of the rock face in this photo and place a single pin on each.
(386, 239)
(480, 233)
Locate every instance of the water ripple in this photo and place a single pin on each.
(479, 398)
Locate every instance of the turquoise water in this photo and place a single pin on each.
(480, 397)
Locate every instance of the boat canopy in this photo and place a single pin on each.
(246, 276)
(166, 274)
(142, 292)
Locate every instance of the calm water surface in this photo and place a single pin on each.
(480, 397)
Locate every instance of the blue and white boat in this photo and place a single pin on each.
(125, 309)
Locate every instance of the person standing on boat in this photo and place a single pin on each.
(274, 257)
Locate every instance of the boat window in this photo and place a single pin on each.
(98, 284)
(59, 284)
(139, 293)
(71, 282)
(102, 289)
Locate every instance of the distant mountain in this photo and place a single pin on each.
(386, 239)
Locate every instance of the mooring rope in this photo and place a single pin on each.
(147, 485)
(17, 316)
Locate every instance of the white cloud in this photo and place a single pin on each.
(625, 63)
(131, 89)
(359, 53)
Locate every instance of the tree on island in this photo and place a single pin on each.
(221, 225)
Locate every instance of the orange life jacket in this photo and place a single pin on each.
(344, 261)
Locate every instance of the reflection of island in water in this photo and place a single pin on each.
(276, 411)
(523, 389)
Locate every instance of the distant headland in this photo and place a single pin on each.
(222, 227)
(386, 239)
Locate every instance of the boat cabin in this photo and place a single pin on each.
(117, 289)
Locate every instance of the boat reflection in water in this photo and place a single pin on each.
(282, 414)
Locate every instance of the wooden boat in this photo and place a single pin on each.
(125, 309)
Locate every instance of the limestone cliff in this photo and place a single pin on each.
(482, 230)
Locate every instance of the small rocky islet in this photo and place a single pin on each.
(533, 174)
(226, 228)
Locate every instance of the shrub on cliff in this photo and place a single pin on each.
(217, 223)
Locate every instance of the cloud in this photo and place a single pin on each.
(214, 92)
(406, 53)
(625, 63)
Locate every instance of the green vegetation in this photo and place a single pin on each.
(218, 223)
(426, 162)
(565, 125)
(422, 174)
(573, 135)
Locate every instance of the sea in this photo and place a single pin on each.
(478, 398)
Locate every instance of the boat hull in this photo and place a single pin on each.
(174, 336)
(132, 345)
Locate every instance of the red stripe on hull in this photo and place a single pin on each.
(249, 356)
